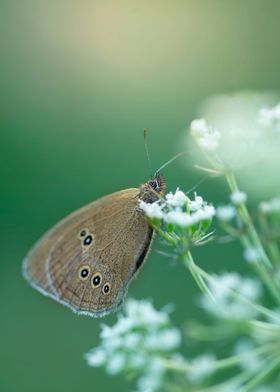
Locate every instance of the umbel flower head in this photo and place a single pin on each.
(224, 305)
(137, 345)
(240, 131)
(180, 220)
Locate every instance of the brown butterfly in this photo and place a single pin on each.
(88, 260)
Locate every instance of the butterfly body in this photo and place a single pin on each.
(87, 260)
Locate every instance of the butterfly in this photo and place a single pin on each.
(88, 260)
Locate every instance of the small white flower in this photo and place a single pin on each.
(180, 218)
(178, 199)
(199, 127)
(250, 288)
(202, 367)
(238, 197)
(152, 210)
(152, 380)
(137, 360)
(131, 340)
(123, 325)
(165, 340)
(266, 117)
(275, 204)
(222, 283)
(252, 255)
(205, 213)
(152, 341)
(143, 313)
(270, 117)
(112, 343)
(271, 206)
(116, 363)
(265, 207)
(171, 339)
(210, 142)
(226, 213)
(196, 204)
(206, 136)
(248, 360)
(96, 357)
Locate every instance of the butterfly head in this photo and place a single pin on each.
(153, 189)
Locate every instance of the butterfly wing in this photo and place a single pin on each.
(88, 259)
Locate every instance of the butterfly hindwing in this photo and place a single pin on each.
(88, 259)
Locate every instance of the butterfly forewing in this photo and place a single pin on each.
(88, 259)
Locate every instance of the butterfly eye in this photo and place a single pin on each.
(88, 240)
(106, 288)
(84, 272)
(96, 280)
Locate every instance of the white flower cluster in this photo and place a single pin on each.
(202, 367)
(243, 141)
(253, 254)
(238, 197)
(271, 206)
(178, 199)
(225, 305)
(152, 210)
(138, 343)
(248, 360)
(207, 137)
(270, 117)
(228, 212)
(179, 210)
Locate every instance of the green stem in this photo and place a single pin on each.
(220, 363)
(233, 383)
(260, 268)
(265, 372)
(264, 326)
(274, 252)
(208, 333)
(271, 245)
(166, 236)
(200, 281)
(239, 382)
(245, 217)
(265, 269)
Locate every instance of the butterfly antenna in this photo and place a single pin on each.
(146, 148)
(172, 160)
(201, 181)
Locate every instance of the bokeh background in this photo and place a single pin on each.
(79, 81)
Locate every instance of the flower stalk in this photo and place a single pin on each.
(195, 272)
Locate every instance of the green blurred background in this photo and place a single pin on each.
(79, 81)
